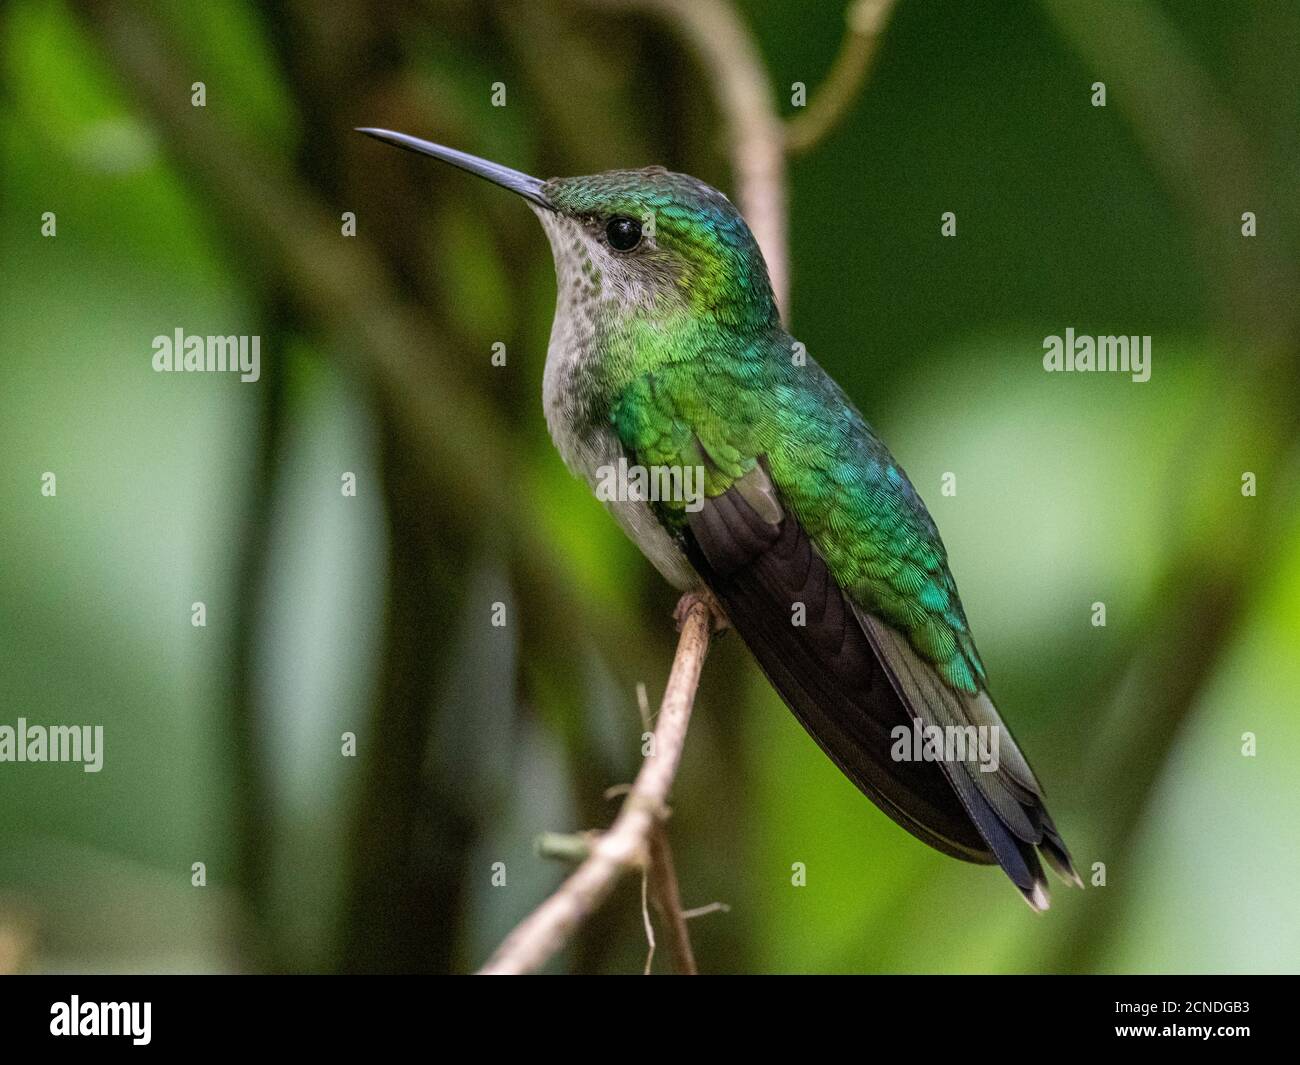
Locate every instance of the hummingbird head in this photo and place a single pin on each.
(649, 241)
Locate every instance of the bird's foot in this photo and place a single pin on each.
(718, 617)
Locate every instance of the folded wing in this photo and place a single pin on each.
(851, 680)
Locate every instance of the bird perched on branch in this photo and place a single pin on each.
(668, 353)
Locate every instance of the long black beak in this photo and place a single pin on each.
(530, 188)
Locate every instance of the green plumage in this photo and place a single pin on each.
(713, 380)
(733, 402)
(671, 353)
(667, 351)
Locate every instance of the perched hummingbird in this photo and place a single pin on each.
(667, 350)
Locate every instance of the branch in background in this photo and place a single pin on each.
(865, 20)
(755, 136)
(627, 844)
(251, 795)
(345, 284)
(286, 223)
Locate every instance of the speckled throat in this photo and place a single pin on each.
(581, 382)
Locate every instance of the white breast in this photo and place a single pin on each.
(587, 453)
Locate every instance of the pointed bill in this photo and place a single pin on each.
(530, 188)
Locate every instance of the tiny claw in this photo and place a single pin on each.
(719, 621)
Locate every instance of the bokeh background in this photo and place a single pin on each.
(328, 614)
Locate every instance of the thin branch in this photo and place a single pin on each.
(725, 50)
(668, 902)
(563, 847)
(705, 910)
(649, 924)
(865, 19)
(662, 876)
(626, 845)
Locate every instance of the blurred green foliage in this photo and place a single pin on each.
(329, 614)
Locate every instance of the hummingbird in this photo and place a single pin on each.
(667, 351)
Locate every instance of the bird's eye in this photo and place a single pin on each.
(624, 233)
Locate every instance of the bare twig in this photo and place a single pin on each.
(667, 899)
(563, 847)
(626, 845)
(756, 139)
(662, 879)
(865, 20)
(649, 924)
(705, 910)
(643, 706)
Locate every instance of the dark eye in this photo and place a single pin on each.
(624, 233)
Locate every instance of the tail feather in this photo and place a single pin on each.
(851, 680)
(1006, 805)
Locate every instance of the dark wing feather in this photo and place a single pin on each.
(825, 670)
(1006, 804)
(849, 680)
